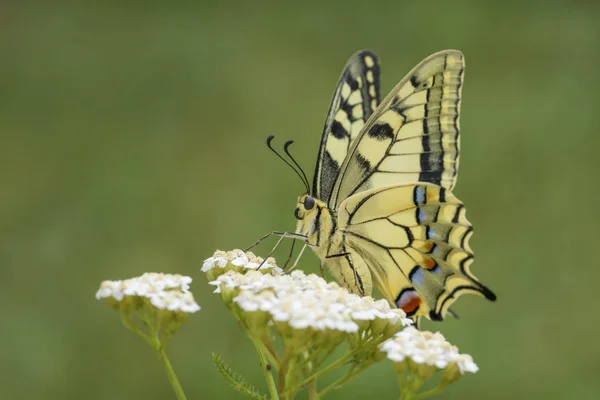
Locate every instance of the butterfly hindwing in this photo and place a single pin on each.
(413, 136)
(355, 98)
(415, 240)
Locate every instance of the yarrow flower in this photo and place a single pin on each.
(426, 348)
(164, 291)
(428, 352)
(296, 304)
(237, 260)
(305, 301)
(153, 305)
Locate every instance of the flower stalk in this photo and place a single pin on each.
(266, 369)
(160, 303)
(171, 375)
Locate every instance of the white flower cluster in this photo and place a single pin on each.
(165, 291)
(240, 260)
(306, 301)
(426, 348)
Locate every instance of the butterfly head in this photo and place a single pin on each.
(312, 215)
(306, 206)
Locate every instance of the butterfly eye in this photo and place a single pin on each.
(296, 213)
(309, 202)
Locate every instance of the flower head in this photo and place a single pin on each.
(300, 302)
(163, 291)
(427, 349)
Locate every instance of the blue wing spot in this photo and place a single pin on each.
(431, 234)
(420, 194)
(416, 276)
(421, 216)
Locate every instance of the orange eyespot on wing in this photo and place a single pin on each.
(409, 301)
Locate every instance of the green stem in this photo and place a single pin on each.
(282, 371)
(269, 351)
(334, 365)
(151, 321)
(335, 384)
(289, 376)
(128, 322)
(268, 377)
(338, 363)
(171, 374)
(401, 384)
(438, 389)
(319, 360)
(313, 394)
(406, 394)
(346, 378)
(413, 384)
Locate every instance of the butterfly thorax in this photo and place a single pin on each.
(315, 221)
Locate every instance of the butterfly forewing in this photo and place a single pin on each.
(355, 98)
(413, 136)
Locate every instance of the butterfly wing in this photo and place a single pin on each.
(413, 136)
(415, 241)
(355, 98)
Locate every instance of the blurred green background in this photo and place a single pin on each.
(132, 140)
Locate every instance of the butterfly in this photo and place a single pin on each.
(381, 212)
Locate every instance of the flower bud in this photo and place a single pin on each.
(451, 374)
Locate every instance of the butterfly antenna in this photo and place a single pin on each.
(269, 139)
(287, 151)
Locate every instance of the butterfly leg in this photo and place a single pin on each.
(283, 236)
(290, 255)
(259, 240)
(277, 233)
(297, 258)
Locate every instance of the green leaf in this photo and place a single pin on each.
(237, 382)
